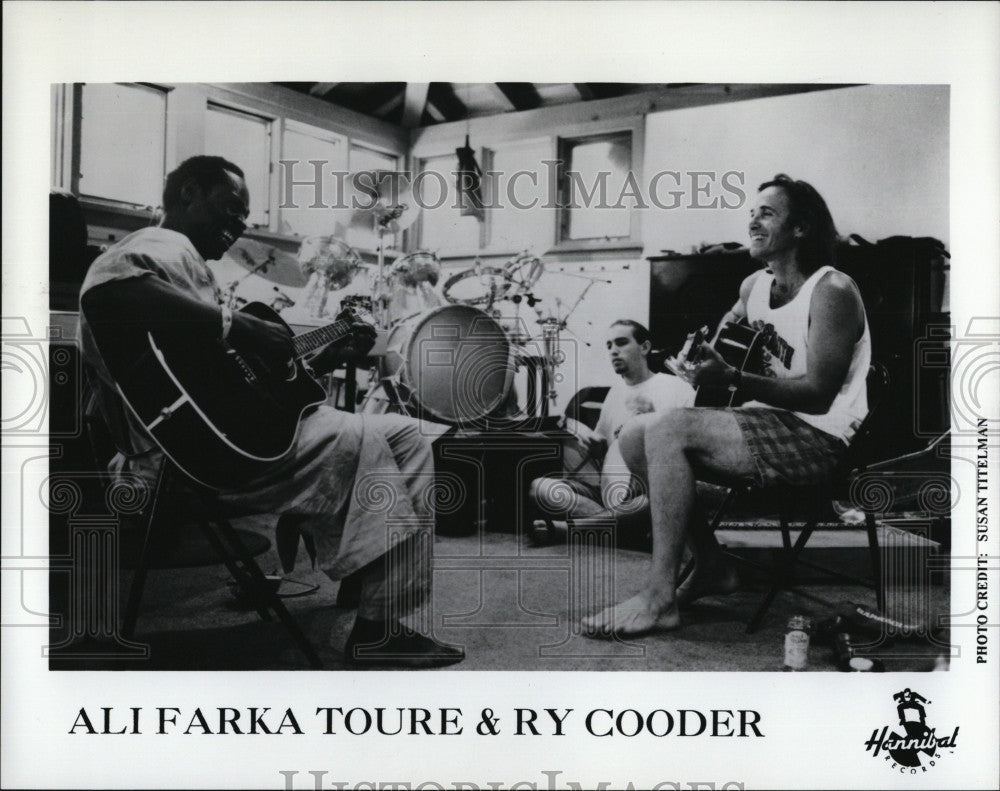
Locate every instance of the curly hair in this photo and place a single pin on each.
(207, 171)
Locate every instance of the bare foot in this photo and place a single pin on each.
(715, 576)
(632, 617)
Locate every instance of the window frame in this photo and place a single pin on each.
(70, 158)
(399, 161)
(420, 165)
(309, 130)
(274, 141)
(564, 144)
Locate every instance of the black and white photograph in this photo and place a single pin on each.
(665, 399)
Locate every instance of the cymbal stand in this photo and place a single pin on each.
(553, 325)
(380, 290)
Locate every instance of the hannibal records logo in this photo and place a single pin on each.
(919, 747)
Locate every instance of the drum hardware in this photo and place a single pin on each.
(234, 302)
(412, 279)
(489, 285)
(524, 270)
(452, 364)
(393, 210)
(330, 264)
(270, 263)
(281, 301)
(267, 261)
(552, 327)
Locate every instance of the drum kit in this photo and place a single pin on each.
(450, 357)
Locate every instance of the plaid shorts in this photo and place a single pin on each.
(786, 449)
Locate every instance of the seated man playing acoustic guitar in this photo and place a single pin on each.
(342, 467)
(596, 480)
(802, 412)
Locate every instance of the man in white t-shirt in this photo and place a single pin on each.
(595, 479)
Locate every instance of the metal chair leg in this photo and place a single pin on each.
(269, 598)
(875, 553)
(782, 577)
(131, 615)
(241, 576)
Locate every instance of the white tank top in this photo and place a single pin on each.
(790, 346)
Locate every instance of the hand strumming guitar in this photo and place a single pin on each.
(711, 369)
(352, 348)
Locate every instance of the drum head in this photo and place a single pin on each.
(457, 363)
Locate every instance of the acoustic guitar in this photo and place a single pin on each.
(218, 411)
(739, 344)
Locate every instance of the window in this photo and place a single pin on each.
(123, 143)
(245, 140)
(443, 228)
(595, 187)
(519, 193)
(367, 159)
(302, 145)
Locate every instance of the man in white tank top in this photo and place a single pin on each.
(801, 412)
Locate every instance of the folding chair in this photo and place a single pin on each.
(228, 545)
(805, 505)
(159, 526)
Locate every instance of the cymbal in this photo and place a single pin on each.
(382, 202)
(267, 261)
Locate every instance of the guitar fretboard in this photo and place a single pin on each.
(314, 339)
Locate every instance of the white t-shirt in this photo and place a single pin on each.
(624, 401)
(657, 394)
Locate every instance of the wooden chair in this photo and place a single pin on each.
(806, 505)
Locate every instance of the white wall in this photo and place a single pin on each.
(878, 154)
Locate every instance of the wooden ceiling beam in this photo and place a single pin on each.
(387, 107)
(521, 94)
(322, 88)
(413, 103)
(434, 112)
(442, 96)
(504, 104)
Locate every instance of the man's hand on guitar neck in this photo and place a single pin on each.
(353, 348)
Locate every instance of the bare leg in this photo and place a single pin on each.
(673, 446)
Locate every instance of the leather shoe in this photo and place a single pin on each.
(372, 644)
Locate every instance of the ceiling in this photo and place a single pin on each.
(413, 104)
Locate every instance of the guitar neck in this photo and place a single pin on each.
(315, 339)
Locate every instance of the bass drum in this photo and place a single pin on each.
(453, 364)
